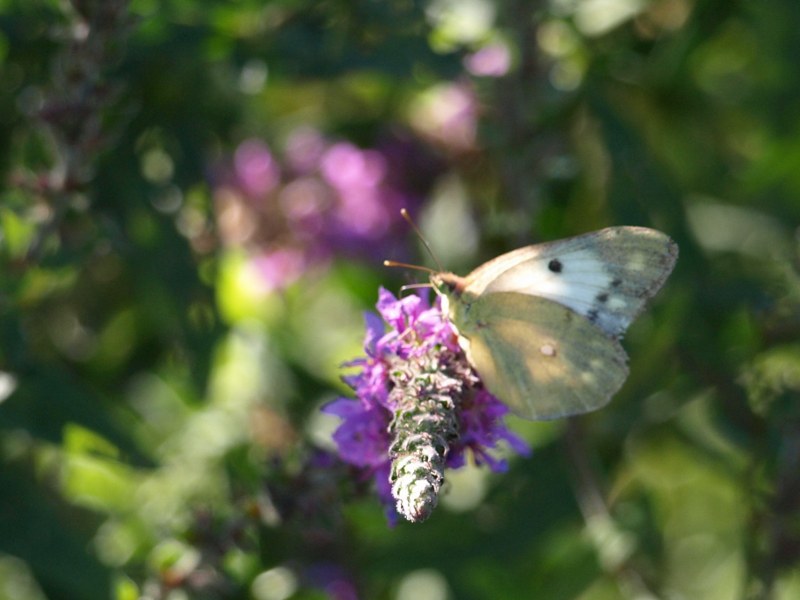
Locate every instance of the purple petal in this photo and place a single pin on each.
(375, 330)
(516, 443)
(362, 437)
(342, 407)
(383, 487)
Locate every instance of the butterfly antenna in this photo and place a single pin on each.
(394, 263)
(421, 237)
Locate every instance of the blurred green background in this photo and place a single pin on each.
(197, 199)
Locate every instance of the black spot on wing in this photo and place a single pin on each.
(555, 266)
(602, 298)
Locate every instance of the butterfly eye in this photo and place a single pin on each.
(440, 284)
(448, 283)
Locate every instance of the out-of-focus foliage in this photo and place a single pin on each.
(197, 198)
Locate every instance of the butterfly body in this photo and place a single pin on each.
(541, 324)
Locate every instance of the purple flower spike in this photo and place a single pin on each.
(419, 407)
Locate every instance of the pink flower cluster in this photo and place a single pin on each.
(322, 198)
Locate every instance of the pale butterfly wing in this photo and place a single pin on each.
(607, 276)
(542, 359)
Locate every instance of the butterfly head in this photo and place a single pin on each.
(447, 284)
(450, 288)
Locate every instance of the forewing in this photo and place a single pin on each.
(540, 358)
(607, 276)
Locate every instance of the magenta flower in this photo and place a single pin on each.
(324, 198)
(447, 114)
(366, 207)
(256, 169)
(279, 268)
(331, 578)
(304, 148)
(493, 60)
(345, 166)
(420, 407)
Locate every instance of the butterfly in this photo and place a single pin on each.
(541, 325)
